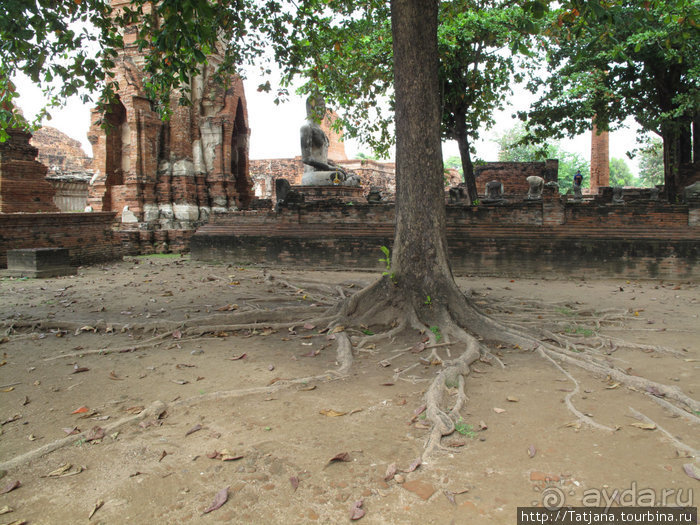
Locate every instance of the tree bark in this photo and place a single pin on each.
(419, 259)
(672, 156)
(465, 155)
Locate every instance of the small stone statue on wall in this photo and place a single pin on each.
(578, 186)
(536, 185)
(494, 192)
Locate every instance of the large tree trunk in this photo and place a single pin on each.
(465, 155)
(672, 160)
(419, 259)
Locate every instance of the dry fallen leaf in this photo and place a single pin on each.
(512, 399)
(78, 369)
(95, 433)
(135, 409)
(356, 511)
(644, 426)
(193, 429)
(482, 425)
(499, 410)
(331, 413)
(237, 357)
(295, 483)
(5, 510)
(81, 410)
(390, 472)
(337, 329)
(60, 470)
(692, 470)
(414, 465)
(10, 487)
(531, 451)
(309, 326)
(97, 507)
(220, 498)
(340, 457)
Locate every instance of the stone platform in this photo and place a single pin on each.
(39, 263)
(338, 193)
(546, 238)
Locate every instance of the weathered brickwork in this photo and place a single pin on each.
(60, 153)
(23, 187)
(372, 173)
(600, 159)
(172, 175)
(88, 236)
(513, 175)
(526, 238)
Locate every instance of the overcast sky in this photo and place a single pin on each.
(275, 129)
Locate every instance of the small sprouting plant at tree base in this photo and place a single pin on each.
(387, 262)
(428, 301)
(462, 427)
(386, 259)
(436, 331)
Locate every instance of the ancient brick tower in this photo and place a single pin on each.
(600, 159)
(336, 146)
(171, 175)
(23, 184)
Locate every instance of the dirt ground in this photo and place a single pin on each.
(150, 422)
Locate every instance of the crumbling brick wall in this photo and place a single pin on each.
(88, 236)
(23, 187)
(513, 175)
(60, 153)
(170, 175)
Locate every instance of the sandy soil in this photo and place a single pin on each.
(165, 405)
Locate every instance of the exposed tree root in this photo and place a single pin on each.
(581, 417)
(154, 411)
(450, 316)
(442, 316)
(676, 442)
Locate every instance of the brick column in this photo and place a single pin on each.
(600, 159)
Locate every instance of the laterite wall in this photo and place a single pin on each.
(88, 236)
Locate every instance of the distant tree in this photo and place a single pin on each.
(608, 60)
(454, 163)
(366, 156)
(620, 173)
(651, 162)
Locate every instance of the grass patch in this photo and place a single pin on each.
(563, 310)
(465, 429)
(160, 256)
(579, 330)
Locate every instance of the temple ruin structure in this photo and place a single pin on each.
(166, 178)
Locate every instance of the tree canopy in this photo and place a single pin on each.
(609, 60)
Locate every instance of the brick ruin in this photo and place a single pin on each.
(23, 184)
(600, 159)
(372, 173)
(553, 237)
(166, 178)
(29, 218)
(164, 181)
(69, 167)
